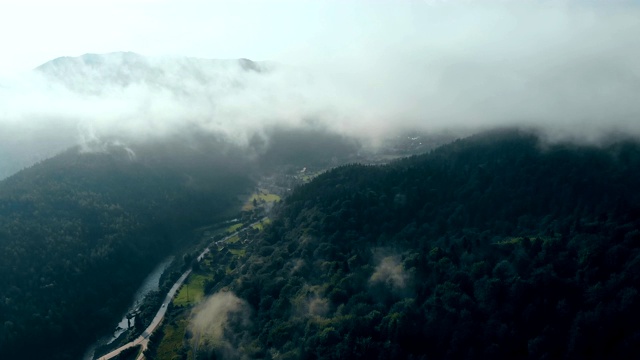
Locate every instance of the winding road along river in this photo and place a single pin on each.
(143, 339)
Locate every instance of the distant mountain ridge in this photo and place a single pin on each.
(94, 73)
(92, 94)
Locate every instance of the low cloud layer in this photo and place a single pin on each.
(210, 325)
(569, 69)
(390, 272)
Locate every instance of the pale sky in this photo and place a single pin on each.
(34, 32)
(299, 32)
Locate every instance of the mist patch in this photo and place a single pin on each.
(220, 324)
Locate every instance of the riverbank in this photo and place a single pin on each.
(150, 283)
(143, 338)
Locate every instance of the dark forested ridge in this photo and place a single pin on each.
(80, 231)
(495, 246)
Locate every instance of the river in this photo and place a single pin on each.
(150, 283)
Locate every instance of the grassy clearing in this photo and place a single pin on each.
(234, 228)
(238, 252)
(206, 262)
(262, 196)
(517, 240)
(260, 226)
(233, 239)
(267, 197)
(172, 340)
(510, 241)
(194, 288)
(307, 176)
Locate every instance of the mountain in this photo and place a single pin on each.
(71, 100)
(99, 73)
(79, 232)
(81, 229)
(129, 98)
(495, 246)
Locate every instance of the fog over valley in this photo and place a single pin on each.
(568, 69)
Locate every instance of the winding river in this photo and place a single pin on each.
(143, 339)
(150, 283)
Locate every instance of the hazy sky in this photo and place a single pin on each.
(37, 31)
(570, 67)
(34, 32)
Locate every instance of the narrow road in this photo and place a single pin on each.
(143, 339)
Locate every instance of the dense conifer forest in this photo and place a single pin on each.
(495, 246)
(80, 231)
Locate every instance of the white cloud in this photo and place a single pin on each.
(360, 68)
(390, 272)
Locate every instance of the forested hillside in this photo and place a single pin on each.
(80, 231)
(495, 246)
